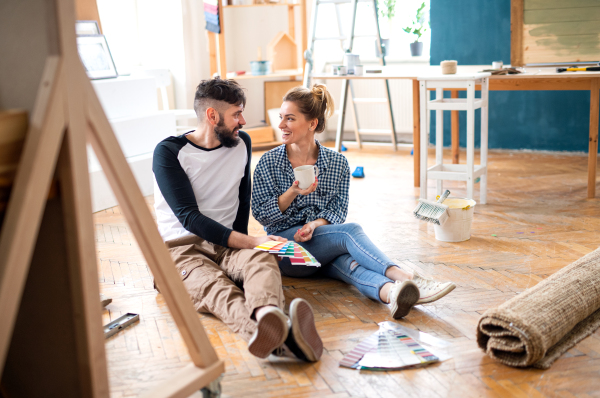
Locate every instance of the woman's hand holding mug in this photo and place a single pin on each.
(306, 179)
(299, 191)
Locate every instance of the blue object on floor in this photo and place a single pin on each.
(477, 180)
(344, 149)
(412, 152)
(358, 172)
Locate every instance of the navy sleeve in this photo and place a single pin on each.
(177, 191)
(243, 214)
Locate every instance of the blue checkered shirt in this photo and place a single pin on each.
(274, 175)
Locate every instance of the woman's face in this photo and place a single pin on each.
(293, 125)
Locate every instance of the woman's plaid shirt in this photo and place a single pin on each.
(274, 175)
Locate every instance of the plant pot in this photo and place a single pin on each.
(385, 43)
(416, 49)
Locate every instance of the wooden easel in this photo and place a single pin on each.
(64, 352)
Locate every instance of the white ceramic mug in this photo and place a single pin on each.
(305, 175)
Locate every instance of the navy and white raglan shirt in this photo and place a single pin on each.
(199, 191)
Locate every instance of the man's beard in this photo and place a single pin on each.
(225, 136)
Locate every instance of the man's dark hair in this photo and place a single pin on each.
(210, 92)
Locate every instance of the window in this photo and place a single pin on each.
(399, 49)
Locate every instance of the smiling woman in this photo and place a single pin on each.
(314, 217)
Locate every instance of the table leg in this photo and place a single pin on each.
(455, 139)
(470, 137)
(593, 146)
(439, 138)
(424, 141)
(416, 133)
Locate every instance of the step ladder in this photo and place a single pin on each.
(348, 82)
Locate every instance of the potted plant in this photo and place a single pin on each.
(417, 28)
(387, 10)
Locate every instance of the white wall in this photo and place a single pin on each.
(170, 34)
(158, 34)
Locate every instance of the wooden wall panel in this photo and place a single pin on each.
(556, 31)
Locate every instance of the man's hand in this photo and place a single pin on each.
(262, 239)
(242, 241)
(305, 233)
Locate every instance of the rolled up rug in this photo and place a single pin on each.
(538, 325)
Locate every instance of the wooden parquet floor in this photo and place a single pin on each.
(537, 220)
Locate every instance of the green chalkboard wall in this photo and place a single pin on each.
(476, 32)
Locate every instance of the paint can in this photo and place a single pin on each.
(458, 226)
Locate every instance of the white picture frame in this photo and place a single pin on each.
(95, 56)
(87, 28)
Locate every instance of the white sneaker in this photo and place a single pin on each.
(402, 297)
(431, 290)
(271, 331)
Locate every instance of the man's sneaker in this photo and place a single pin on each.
(303, 339)
(431, 290)
(271, 331)
(402, 297)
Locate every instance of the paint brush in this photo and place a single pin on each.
(433, 212)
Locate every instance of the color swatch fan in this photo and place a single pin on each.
(296, 253)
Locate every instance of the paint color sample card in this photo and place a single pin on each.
(266, 245)
(396, 351)
(352, 358)
(276, 248)
(394, 346)
(296, 253)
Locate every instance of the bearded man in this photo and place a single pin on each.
(202, 203)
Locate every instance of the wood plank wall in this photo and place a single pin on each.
(561, 31)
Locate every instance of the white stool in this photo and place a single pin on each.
(456, 172)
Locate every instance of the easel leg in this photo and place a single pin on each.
(28, 197)
(134, 207)
(342, 116)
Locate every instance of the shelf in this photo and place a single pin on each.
(262, 5)
(454, 172)
(217, 46)
(286, 73)
(454, 104)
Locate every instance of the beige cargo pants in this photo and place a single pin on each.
(228, 283)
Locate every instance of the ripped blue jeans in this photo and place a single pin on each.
(346, 253)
